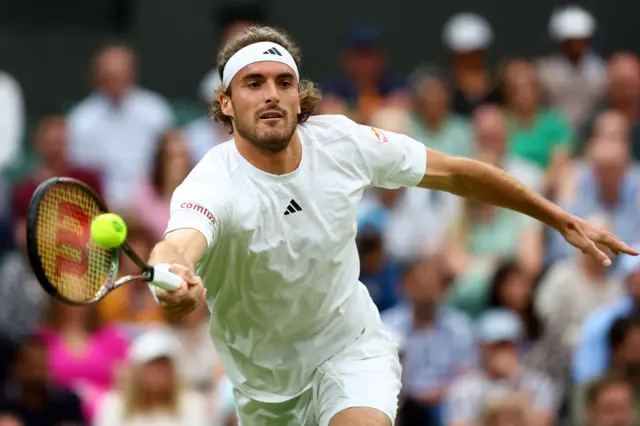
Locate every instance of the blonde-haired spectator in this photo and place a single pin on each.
(151, 393)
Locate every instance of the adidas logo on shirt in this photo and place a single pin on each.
(272, 51)
(292, 208)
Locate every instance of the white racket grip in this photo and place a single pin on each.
(164, 279)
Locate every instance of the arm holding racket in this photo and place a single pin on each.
(174, 259)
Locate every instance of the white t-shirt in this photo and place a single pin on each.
(283, 288)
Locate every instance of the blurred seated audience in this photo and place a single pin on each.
(492, 146)
(366, 84)
(468, 36)
(623, 96)
(592, 355)
(50, 142)
(29, 392)
(171, 164)
(479, 240)
(509, 410)
(501, 373)
(151, 393)
(607, 185)
(536, 133)
(574, 77)
(432, 122)
(379, 273)
(12, 119)
(84, 354)
(133, 305)
(199, 366)
(22, 299)
(436, 341)
(116, 128)
(624, 345)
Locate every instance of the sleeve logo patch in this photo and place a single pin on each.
(380, 135)
(200, 209)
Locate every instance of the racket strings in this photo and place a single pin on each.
(72, 262)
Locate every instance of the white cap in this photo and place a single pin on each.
(466, 32)
(571, 22)
(152, 345)
(499, 325)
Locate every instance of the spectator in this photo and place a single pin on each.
(367, 83)
(540, 135)
(133, 305)
(171, 164)
(50, 146)
(151, 394)
(481, 238)
(574, 78)
(377, 272)
(492, 137)
(12, 119)
(506, 411)
(608, 186)
(83, 353)
(623, 95)
(203, 133)
(501, 373)
(611, 403)
(199, 366)
(624, 345)
(433, 123)
(116, 128)
(32, 396)
(592, 355)
(8, 418)
(571, 290)
(436, 342)
(468, 36)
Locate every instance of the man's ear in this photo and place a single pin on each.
(226, 105)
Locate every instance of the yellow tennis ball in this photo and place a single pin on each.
(108, 230)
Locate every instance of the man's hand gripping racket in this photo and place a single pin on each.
(69, 264)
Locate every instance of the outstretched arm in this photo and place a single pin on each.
(472, 179)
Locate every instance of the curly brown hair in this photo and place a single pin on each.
(309, 93)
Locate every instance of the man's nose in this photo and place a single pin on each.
(271, 93)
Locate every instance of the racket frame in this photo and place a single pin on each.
(34, 258)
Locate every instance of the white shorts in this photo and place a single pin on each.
(365, 374)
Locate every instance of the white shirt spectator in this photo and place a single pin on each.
(202, 135)
(11, 119)
(118, 139)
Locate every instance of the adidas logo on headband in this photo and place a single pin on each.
(256, 53)
(272, 51)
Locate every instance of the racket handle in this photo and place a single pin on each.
(164, 279)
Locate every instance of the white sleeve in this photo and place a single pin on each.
(11, 119)
(391, 160)
(199, 204)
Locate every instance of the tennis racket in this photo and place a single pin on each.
(66, 261)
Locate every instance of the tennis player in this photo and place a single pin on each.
(267, 222)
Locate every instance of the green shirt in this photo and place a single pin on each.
(453, 138)
(550, 130)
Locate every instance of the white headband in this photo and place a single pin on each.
(257, 52)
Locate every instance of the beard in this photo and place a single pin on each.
(270, 141)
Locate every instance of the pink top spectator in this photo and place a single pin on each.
(90, 374)
(152, 209)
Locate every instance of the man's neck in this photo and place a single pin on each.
(275, 163)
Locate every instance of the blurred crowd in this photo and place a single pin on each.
(500, 322)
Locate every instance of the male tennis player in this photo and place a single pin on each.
(269, 219)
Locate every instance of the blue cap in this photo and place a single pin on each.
(628, 265)
(362, 35)
(499, 325)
